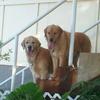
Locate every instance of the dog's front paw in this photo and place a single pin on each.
(52, 77)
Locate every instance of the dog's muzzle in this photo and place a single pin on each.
(29, 48)
(51, 40)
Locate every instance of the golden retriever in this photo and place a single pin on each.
(38, 57)
(58, 44)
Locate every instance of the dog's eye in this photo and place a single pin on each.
(54, 33)
(27, 42)
(48, 32)
(33, 42)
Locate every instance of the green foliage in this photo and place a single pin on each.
(28, 91)
(87, 90)
(6, 55)
(65, 95)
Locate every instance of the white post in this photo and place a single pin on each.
(15, 63)
(97, 32)
(71, 49)
(2, 25)
(3, 19)
(23, 75)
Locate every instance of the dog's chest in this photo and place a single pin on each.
(32, 60)
(58, 51)
(54, 52)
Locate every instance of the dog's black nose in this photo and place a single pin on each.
(29, 48)
(51, 39)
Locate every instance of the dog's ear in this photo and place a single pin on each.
(23, 44)
(59, 29)
(45, 31)
(38, 43)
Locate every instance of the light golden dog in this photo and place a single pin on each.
(58, 44)
(38, 57)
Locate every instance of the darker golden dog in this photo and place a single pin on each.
(58, 44)
(38, 57)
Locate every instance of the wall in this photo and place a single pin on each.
(18, 14)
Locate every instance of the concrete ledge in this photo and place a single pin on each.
(89, 66)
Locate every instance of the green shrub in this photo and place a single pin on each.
(28, 91)
(6, 55)
(65, 95)
(87, 90)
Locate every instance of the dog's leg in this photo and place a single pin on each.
(33, 73)
(55, 66)
(44, 74)
(62, 61)
(34, 76)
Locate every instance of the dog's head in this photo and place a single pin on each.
(52, 33)
(30, 44)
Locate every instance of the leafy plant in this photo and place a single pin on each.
(65, 95)
(6, 55)
(28, 91)
(87, 90)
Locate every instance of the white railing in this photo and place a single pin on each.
(92, 26)
(4, 94)
(16, 37)
(32, 23)
(19, 72)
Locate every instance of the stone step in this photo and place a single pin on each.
(89, 66)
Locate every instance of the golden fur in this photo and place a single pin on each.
(38, 57)
(58, 44)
